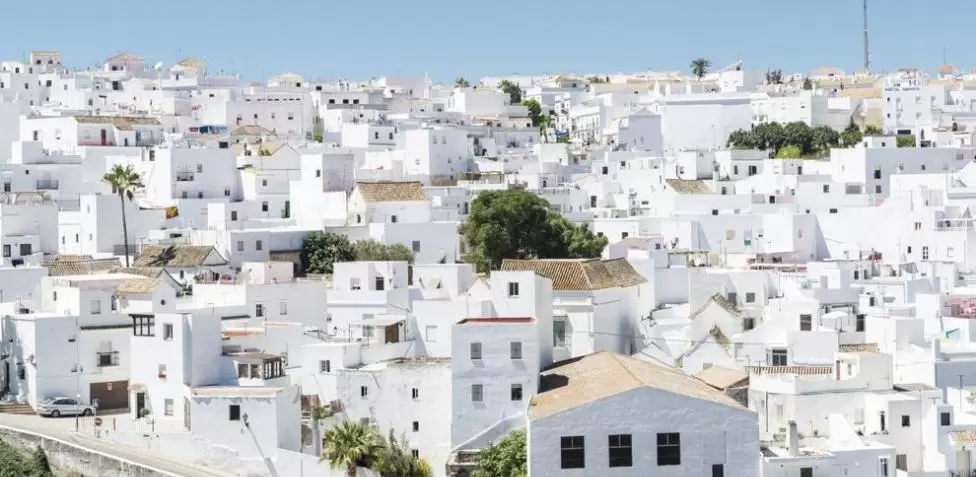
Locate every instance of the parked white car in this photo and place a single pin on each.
(62, 406)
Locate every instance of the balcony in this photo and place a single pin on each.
(46, 184)
(184, 177)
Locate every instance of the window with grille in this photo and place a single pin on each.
(668, 448)
(620, 450)
(571, 452)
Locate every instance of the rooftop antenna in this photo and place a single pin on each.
(867, 54)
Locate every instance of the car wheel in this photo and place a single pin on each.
(86, 412)
(55, 413)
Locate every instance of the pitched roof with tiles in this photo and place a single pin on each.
(137, 285)
(580, 274)
(790, 370)
(580, 381)
(682, 186)
(390, 191)
(859, 348)
(173, 256)
(123, 123)
(79, 265)
(720, 377)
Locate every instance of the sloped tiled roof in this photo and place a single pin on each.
(720, 377)
(580, 274)
(79, 265)
(859, 348)
(580, 381)
(137, 285)
(251, 130)
(719, 300)
(126, 57)
(173, 256)
(682, 186)
(794, 370)
(963, 437)
(123, 123)
(389, 191)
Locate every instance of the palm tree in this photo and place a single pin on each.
(351, 445)
(461, 82)
(699, 67)
(124, 181)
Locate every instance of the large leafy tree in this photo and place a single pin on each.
(397, 460)
(505, 458)
(351, 445)
(321, 251)
(513, 91)
(518, 224)
(535, 112)
(373, 251)
(851, 136)
(125, 181)
(823, 138)
(699, 67)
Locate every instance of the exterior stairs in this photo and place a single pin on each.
(15, 408)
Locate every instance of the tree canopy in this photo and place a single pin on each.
(535, 111)
(774, 136)
(351, 445)
(372, 251)
(700, 66)
(14, 463)
(505, 458)
(518, 224)
(774, 76)
(321, 251)
(461, 82)
(513, 91)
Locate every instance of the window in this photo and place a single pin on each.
(96, 307)
(168, 407)
(621, 452)
(718, 470)
(325, 366)
(258, 310)
(748, 323)
(380, 284)
(475, 350)
(6, 251)
(714, 211)
(416, 426)
(515, 347)
(777, 357)
(826, 188)
(258, 245)
(282, 307)
(240, 245)
(106, 359)
(906, 420)
(233, 215)
(393, 219)
(264, 206)
(513, 289)
(143, 325)
(945, 419)
(877, 173)
(750, 297)
(901, 462)
(163, 372)
(415, 393)
(571, 452)
(363, 392)
(925, 253)
(477, 393)
(806, 322)
(806, 471)
(668, 448)
(859, 322)
(516, 392)
(877, 189)
(415, 246)
(883, 467)
(832, 211)
(559, 333)
(235, 412)
(167, 331)
(431, 334)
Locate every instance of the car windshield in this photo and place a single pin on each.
(47, 401)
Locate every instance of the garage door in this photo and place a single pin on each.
(111, 394)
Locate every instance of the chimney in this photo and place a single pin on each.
(794, 439)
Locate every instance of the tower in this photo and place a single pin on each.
(867, 53)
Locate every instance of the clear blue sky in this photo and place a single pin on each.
(362, 39)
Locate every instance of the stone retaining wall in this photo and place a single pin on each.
(66, 458)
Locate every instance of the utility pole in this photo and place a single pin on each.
(867, 54)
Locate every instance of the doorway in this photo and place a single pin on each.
(140, 403)
(104, 137)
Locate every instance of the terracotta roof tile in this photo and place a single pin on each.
(389, 191)
(859, 348)
(723, 378)
(84, 266)
(682, 186)
(174, 256)
(580, 381)
(580, 274)
(790, 370)
(123, 123)
(137, 285)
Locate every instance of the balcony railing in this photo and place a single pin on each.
(46, 184)
(107, 359)
(184, 176)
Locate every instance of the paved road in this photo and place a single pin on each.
(63, 429)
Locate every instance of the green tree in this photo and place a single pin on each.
(125, 181)
(505, 458)
(535, 111)
(596, 80)
(774, 76)
(798, 134)
(807, 84)
(461, 82)
(699, 67)
(906, 141)
(871, 130)
(321, 251)
(824, 138)
(851, 136)
(789, 152)
(518, 224)
(397, 460)
(38, 464)
(351, 445)
(563, 139)
(513, 91)
(742, 139)
(372, 251)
